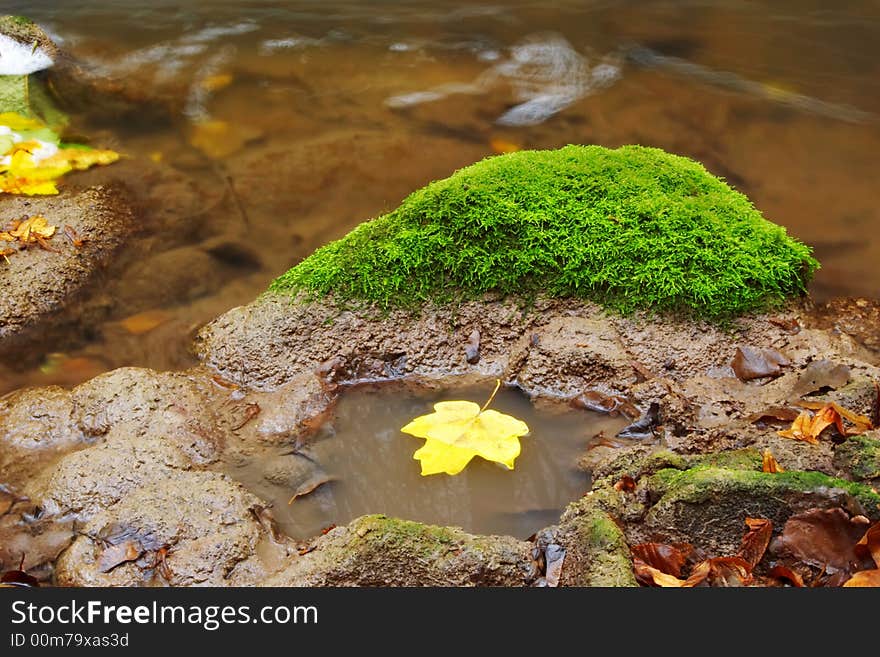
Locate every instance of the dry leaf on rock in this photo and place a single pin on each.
(756, 540)
(769, 463)
(753, 363)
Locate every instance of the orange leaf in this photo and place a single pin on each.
(503, 146)
(781, 572)
(755, 542)
(770, 464)
(625, 484)
(800, 429)
(729, 571)
(145, 321)
(653, 577)
(864, 578)
(869, 544)
(666, 558)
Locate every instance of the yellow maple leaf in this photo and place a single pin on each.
(457, 431)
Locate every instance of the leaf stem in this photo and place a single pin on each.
(492, 396)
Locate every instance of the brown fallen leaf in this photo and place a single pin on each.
(115, 555)
(864, 578)
(267, 520)
(728, 571)
(160, 563)
(251, 410)
(599, 402)
(310, 486)
(822, 538)
(224, 383)
(754, 363)
(821, 374)
(869, 544)
(769, 463)
(650, 576)
(145, 322)
(18, 577)
(328, 529)
(773, 415)
(642, 372)
(788, 325)
(644, 426)
(668, 559)
(787, 574)
(625, 484)
(756, 540)
(73, 237)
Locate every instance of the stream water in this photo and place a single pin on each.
(361, 463)
(335, 110)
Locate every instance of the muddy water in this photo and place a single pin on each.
(368, 467)
(333, 111)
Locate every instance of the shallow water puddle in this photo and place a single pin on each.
(368, 466)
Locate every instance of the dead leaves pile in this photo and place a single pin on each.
(23, 233)
(819, 547)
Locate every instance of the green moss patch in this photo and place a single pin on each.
(631, 228)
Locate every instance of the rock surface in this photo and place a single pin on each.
(141, 459)
(42, 285)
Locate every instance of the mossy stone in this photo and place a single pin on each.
(596, 551)
(860, 456)
(630, 228)
(708, 506)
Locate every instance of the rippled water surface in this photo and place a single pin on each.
(325, 114)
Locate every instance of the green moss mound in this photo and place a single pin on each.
(630, 228)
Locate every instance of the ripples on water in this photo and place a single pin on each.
(336, 110)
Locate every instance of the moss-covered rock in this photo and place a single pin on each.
(380, 551)
(596, 552)
(707, 506)
(632, 228)
(859, 456)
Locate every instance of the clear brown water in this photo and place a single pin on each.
(345, 107)
(370, 467)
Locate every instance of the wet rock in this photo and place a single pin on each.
(573, 353)
(381, 551)
(291, 413)
(704, 505)
(596, 552)
(88, 481)
(44, 287)
(176, 275)
(202, 520)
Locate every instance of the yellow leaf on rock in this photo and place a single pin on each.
(459, 430)
(145, 322)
